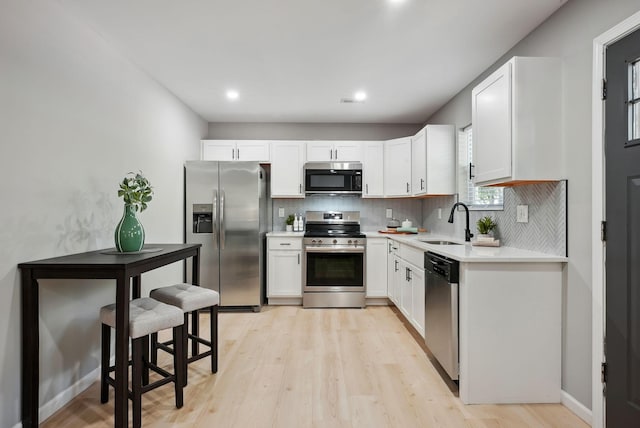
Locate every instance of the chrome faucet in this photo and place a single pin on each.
(467, 232)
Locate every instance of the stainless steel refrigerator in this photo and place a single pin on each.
(226, 212)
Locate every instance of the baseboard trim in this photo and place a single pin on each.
(576, 407)
(64, 397)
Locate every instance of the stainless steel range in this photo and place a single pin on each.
(333, 268)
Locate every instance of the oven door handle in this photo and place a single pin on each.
(333, 250)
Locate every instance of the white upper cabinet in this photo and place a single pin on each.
(397, 167)
(372, 169)
(287, 161)
(328, 151)
(516, 118)
(233, 150)
(433, 161)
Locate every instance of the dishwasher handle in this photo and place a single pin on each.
(442, 266)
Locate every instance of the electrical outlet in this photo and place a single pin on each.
(389, 213)
(522, 214)
(439, 213)
(281, 212)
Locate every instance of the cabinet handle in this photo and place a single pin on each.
(421, 184)
(395, 266)
(238, 152)
(331, 154)
(470, 174)
(409, 278)
(298, 258)
(336, 154)
(366, 186)
(233, 153)
(407, 187)
(300, 188)
(285, 243)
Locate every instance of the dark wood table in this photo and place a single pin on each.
(91, 265)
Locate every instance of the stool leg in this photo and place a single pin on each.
(195, 322)
(185, 347)
(136, 380)
(214, 338)
(104, 369)
(179, 357)
(154, 348)
(145, 359)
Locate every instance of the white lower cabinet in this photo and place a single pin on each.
(376, 270)
(284, 267)
(393, 269)
(418, 292)
(406, 286)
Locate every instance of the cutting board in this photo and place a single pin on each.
(395, 232)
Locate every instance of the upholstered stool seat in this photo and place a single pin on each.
(190, 298)
(146, 316)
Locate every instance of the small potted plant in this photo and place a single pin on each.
(136, 191)
(486, 225)
(289, 221)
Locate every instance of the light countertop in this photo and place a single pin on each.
(285, 234)
(468, 253)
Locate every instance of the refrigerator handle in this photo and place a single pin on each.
(215, 218)
(222, 226)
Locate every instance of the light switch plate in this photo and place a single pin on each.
(522, 214)
(281, 212)
(389, 213)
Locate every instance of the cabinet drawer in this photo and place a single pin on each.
(412, 255)
(280, 243)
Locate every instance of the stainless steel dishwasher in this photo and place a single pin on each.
(441, 310)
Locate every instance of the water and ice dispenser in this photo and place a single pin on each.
(202, 218)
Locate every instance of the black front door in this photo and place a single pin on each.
(622, 153)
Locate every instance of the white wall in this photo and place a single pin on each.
(309, 131)
(567, 34)
(75, 116)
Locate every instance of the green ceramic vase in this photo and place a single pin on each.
(129, 235)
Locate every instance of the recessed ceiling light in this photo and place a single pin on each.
(232, 94)
(360, 96)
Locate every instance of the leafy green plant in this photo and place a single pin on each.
(289, 221)
(136, 191)
(486, 224)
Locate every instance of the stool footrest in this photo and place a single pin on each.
(199, 356)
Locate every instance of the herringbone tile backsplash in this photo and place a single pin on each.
(546, 230)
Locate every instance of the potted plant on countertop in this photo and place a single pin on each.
(136, 191)
(486, 225)
(289, 221)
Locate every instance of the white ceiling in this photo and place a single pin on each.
(293, 60)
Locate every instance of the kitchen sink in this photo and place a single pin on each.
(439, 242)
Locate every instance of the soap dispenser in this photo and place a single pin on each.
(296, 223)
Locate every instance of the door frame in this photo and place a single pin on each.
(600, 43)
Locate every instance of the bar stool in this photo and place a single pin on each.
(146, 316)
(190, 298)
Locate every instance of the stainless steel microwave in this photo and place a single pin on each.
(329, 178)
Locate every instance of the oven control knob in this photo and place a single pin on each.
(354, 242)
(351, 242)
(313, 241)
(335, 241)
(319, 241)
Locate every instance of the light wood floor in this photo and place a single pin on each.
(293, 367)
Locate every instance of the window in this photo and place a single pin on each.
(634, 101)
(478, 198)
